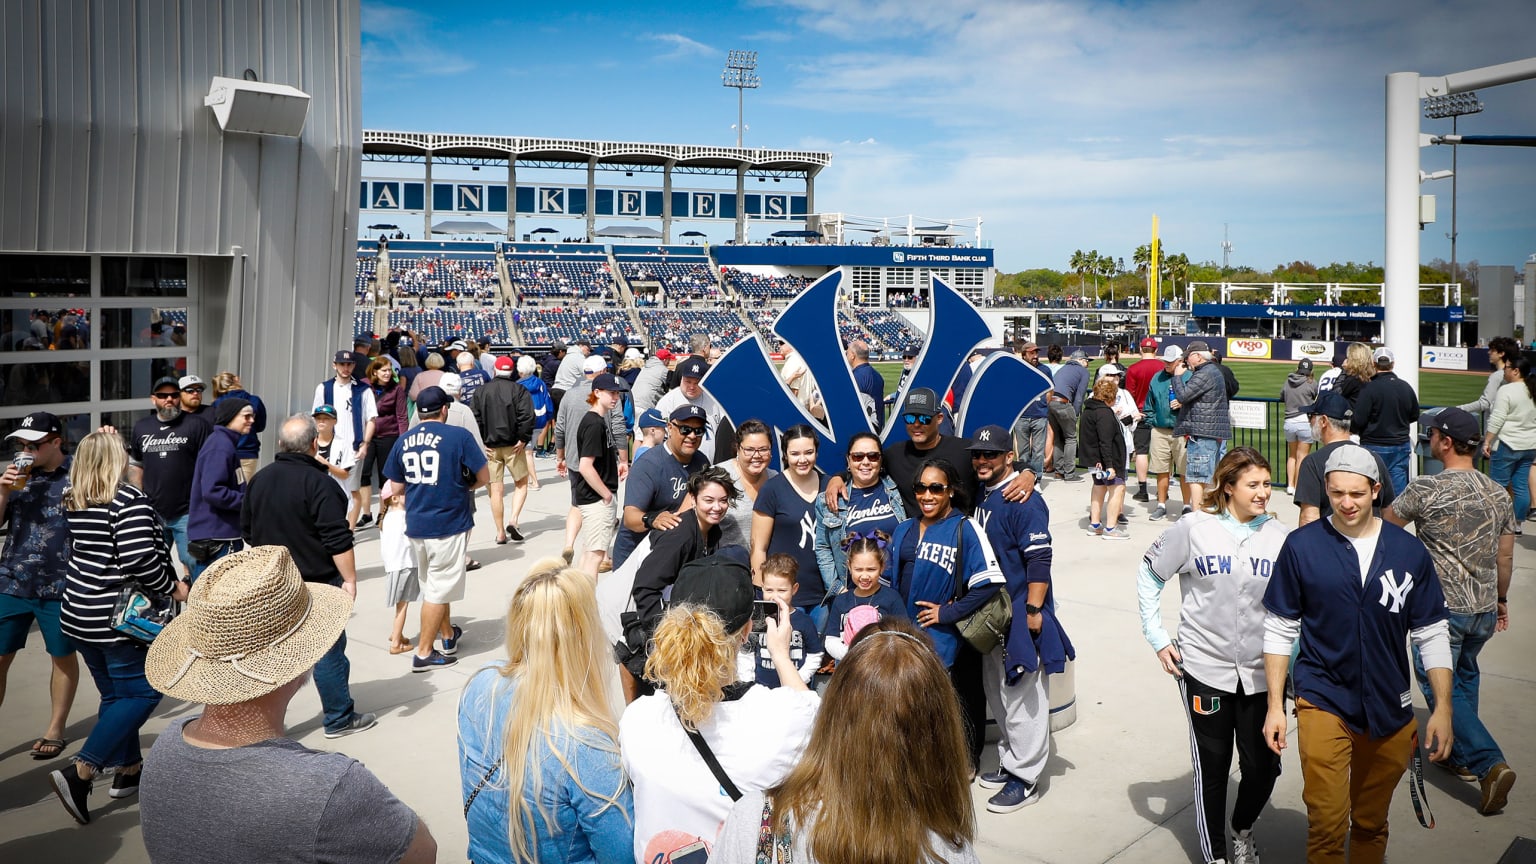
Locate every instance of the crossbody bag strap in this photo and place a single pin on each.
(475, 793)
(715, 768)
(960, 580)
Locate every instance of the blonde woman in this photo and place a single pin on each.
(1358, 369)
(115, 539)
(890, 695)
(538, 746)
(753, 735)
(248, 446)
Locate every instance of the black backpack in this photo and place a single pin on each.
(636, 647)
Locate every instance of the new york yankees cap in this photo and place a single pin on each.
(991, 439)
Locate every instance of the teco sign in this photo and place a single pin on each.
(1442, 358)
(1255, 349)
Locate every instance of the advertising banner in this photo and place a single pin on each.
(1248, 348)
(1431, 357)
(1317, 352)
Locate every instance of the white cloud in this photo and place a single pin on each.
(682, 46)
(402, 42)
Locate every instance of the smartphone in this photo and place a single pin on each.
(762, 610)
(693, 853)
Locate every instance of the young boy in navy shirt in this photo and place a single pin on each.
(780, 581)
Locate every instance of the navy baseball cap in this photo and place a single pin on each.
(432, 400)
(693, 367)
(37, 426)
(652, 419)
(689, 412)
(344, 357)
(1332, 404)
(1456, 425)
(609, 381)
(991, 439)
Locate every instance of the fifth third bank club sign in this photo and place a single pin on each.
(1442, 358)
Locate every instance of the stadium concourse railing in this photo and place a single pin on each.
(1270, 440)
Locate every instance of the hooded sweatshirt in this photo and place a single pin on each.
(1298, 394)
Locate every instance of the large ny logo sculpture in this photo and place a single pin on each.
(747, 385)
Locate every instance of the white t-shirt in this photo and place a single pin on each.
(757, 738)
(395, 550)
(712, 410)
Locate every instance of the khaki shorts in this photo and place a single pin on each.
(1166, 452)
(599, 523)
(514, 462)
(440, 567)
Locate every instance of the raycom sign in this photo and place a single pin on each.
(1253, 349)
(1431, 357)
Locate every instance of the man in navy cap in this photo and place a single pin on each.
(658, 480)
(1330, 416)
(355, 413)
(438, 466)
(163, 455)
(717, 446)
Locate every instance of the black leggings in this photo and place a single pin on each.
(374, 458)
(1218, 720)
(965, 675)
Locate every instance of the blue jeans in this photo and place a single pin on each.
(1396, 457)
(127, 700)
(176, 538)
(332, 678)
(1512, 469)
(224, 548)
(1029, 442)
(1472, 745)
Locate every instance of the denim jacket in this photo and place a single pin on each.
(830, 531)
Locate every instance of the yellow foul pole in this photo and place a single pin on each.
(1152, 283)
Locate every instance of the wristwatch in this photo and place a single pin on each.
(1031, 610)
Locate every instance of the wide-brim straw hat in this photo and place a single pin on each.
(252, 624)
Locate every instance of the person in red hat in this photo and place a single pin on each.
(1138, 380)
(504, 411)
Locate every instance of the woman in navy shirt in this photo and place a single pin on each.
(783, 519)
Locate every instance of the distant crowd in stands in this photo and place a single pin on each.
(547, 325)
(755, 287)
(672, 329)
(565, 279)
(449, 278)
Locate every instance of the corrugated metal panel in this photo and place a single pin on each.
(20, 125)
(114, 75)
(157, 199)
(65, 155)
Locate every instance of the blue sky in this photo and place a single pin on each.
(1064, 125)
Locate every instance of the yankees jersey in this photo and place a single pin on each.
(794, 532)
(1223, 567)
(925, 569)
(1354, 629)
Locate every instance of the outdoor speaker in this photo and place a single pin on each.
(256, 107)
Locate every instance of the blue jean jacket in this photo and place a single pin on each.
(831, 558)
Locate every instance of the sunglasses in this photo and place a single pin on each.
(919, 419)
(689, 431)
(171, 395)
(33, 446)
(193, 390)
(930, 488)
(864, 457)
(988, 454)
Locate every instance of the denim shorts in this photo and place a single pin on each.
(16, 617)
(1200, 458)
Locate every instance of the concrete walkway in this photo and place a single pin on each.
(1119, 784)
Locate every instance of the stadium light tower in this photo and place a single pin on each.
(1453, 106)
(740, 73)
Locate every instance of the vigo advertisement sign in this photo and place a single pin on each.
(1251, 349)
(1431, 357)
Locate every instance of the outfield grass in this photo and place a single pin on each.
(1264, 379)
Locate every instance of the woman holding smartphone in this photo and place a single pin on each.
(1222, 555)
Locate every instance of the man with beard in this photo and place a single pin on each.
(163, 452)
(192, 395)
(659, 479)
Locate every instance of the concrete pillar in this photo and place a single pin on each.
(512, 199)
(591, 198)
(1528, 320)
(426, 232)
(1400, 293)
(810, 192)
(666, 201)
(741, 203)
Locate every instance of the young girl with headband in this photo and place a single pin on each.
(868, 601)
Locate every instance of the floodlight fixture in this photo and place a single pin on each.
(1455, 105)
(1443, 174)
(741, 74)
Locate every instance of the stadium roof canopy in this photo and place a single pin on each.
(387, 146)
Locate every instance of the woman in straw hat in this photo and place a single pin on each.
(115, 539)
(229, 785)
(538, 739)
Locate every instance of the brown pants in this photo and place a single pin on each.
(1347, 782)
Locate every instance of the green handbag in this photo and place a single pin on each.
(987, 627)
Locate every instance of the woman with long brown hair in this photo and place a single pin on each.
(389, 395)
(1222, 555)
(848, 801)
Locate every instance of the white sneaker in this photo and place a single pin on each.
(1244, 850)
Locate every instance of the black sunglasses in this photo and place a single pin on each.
(988, 454)
(864, 457)
(922, 419)
(688, 430)
(930, 488)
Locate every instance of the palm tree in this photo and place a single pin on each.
(1177, 268)
(1079, 265)
(1142, 257)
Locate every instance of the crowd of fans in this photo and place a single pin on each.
(539, 279)
(672, 328)
(763, 289)
(569, 324)
(443, 324)
(447, 278)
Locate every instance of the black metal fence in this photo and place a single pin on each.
(1270, 440)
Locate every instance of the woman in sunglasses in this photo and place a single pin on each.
(939, 554)
(874, 504)
(783, 519)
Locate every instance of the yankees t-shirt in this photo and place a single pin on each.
(794, 533)
(168, 454)
(657, 481)
(869, 510)
(803, 642)
(885, 599)
(436, 462)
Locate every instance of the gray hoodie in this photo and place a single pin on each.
(1298, 394)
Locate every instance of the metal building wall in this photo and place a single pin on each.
(106, 147)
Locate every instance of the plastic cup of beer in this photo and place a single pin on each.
(23, 465)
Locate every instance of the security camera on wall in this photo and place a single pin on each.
(256, 107)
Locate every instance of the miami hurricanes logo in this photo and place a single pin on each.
(746, 384)
(1206, 706)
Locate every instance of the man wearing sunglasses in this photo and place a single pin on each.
(920, 413)
(34, 565)
(658, 481)
(163, 456)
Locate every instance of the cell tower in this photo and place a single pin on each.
(1226, 249)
